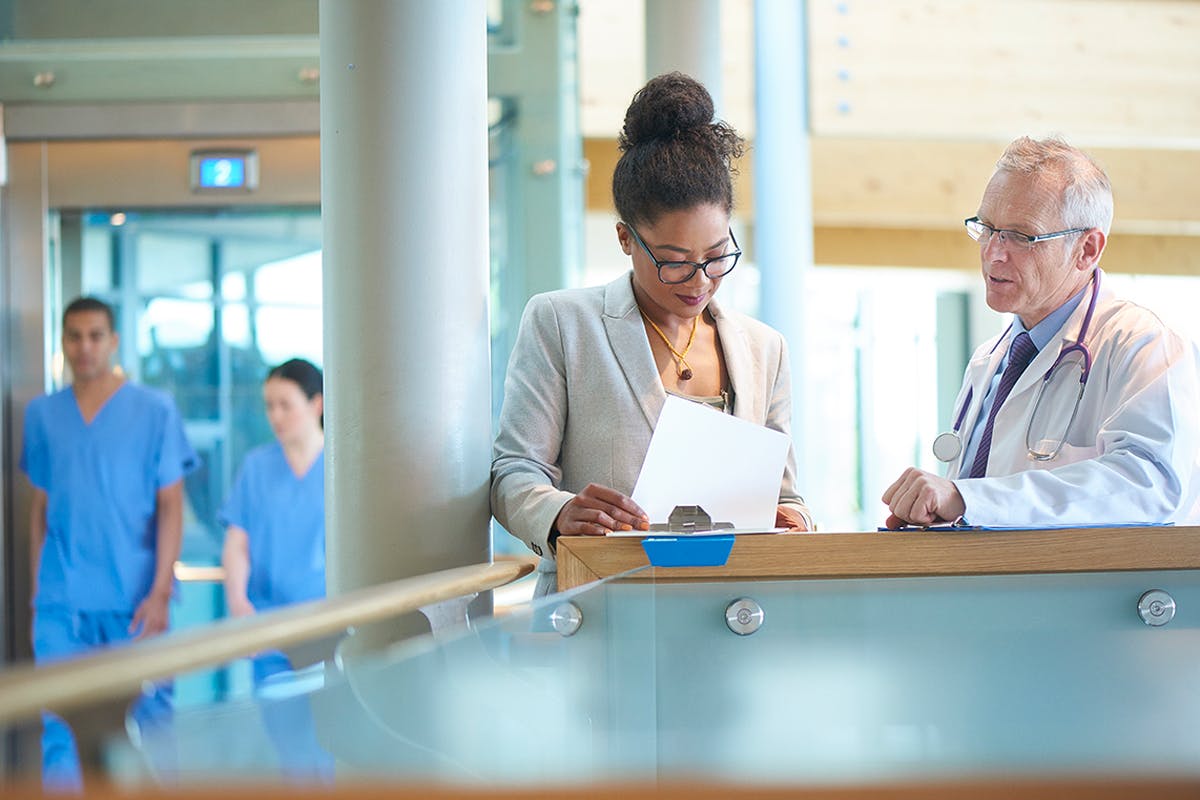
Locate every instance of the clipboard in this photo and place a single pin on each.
(693, 521)
(690, 538)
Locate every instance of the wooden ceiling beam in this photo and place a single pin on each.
(1128, 253)
(898, 183)
(901, 203)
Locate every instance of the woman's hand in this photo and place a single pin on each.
(790, 518)
(598, 511)
(240, 607)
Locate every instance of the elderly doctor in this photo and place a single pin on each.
(1085, 409)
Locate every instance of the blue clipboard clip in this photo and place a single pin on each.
(692, 540)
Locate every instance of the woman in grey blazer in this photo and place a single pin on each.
(591, 368)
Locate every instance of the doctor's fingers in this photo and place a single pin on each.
(621, 508)
(927, 499)
(915, 503)
(898, 486)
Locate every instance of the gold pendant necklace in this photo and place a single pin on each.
(682, 370)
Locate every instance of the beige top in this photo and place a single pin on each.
(722, 402)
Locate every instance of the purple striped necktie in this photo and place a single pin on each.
(1019, 355)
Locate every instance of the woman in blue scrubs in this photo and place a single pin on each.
(274, 550)
(275, 516)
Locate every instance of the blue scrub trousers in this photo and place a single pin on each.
(61, 633)
(289, 725)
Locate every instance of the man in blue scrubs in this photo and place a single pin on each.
(106, 459)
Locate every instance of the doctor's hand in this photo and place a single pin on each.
(922, 498)
(598, 510)
(152, 615)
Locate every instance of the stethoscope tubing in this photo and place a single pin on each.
(1079, 346)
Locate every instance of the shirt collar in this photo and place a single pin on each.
(1044, 331)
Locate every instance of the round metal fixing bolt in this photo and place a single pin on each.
(44, 80)
(566, 618)
(744, 616)
(1156, 607)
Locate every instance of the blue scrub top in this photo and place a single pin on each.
(284, 519)
(101, 480)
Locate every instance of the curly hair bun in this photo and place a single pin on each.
(673, 154)
(664, 108)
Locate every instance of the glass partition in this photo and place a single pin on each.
(844, 681)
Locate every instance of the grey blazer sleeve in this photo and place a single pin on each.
(525, 472)
(779, 417)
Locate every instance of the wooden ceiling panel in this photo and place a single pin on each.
(1096, 70)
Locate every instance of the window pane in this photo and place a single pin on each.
(171, 323)
(235, 325)
(292, 281)
(166, 263)
(233, 286)
(97, 267)
(285, 333)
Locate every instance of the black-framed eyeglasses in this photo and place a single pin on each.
(982, 233)
(671, 272)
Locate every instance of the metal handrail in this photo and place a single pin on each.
(111, 673)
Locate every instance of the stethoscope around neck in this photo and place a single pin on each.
(948, 445)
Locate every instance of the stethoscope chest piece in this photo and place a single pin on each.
(947, 446)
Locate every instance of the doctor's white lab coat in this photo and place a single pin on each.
(1132, 453)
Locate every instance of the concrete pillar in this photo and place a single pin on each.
(783, 231)
(685, 35)
(404, 171)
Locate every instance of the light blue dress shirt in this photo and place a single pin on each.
(1041, 334)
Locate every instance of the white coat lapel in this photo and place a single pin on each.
(979, 373)
(983, 370)
(627, 337)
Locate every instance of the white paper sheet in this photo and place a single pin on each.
(700, 456)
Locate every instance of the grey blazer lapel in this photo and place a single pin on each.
(739, 364)
(627, 337)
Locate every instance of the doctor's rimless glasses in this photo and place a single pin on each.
(983, 233)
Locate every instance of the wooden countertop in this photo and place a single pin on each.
(582, 559)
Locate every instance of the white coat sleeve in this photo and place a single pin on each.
(525, 458)
(1143, 470)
